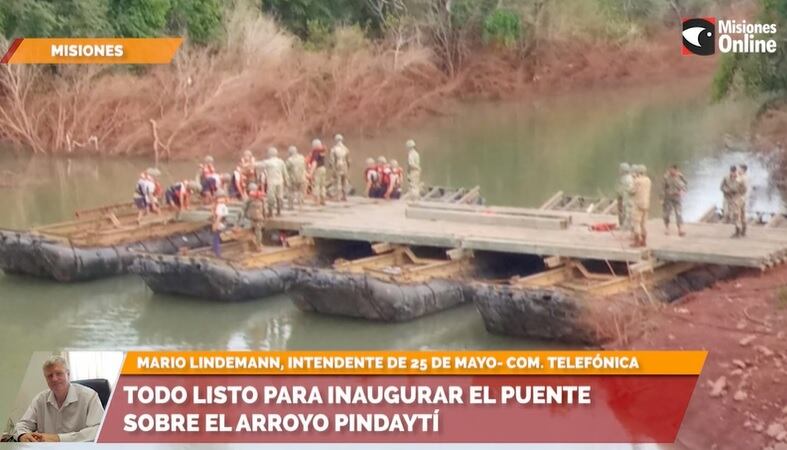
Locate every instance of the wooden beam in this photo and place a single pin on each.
(546, 278)
(471, 195)
(480, 209)
(710, 258)
(488, 219)
(553, 249)
(435, 239)
(551, 201)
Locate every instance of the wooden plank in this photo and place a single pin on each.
(553, 261)
(382, 247)
(709, 258)
(553, 249)
(546, 278)
(612, 208)
(376, 235)
(455, 254)
(471, 196)
(551, 201)
(503, 210)
(488, 219)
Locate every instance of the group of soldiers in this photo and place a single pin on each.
(384, 179)
(634, 188)
(261, 185)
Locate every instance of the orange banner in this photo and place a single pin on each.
(92, 51)
(415, 363)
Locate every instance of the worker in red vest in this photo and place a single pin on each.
(394, 181)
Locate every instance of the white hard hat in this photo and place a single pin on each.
(292, 149)
(369, 161)
(209, 159)
(272, 151)
(394, 163)
(382, 160)
(624, 167)
(339, 138)
(410, 144)
(153, 172)
(316, 143)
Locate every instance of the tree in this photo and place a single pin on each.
(83, 18)
(295, 15)
(29, 18)
(200, 19)
(139, 18)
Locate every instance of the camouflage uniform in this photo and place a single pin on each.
(625, 206)
(640, 193)
(734, 196)
(296, 167)
(254, 211)
(674, 187)
(340, 162)
(413, 172)
(276, 177)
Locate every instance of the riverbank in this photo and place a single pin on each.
(220, 103)
(740, 396)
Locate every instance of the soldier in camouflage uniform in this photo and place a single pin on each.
(734, 191)
(276, 177)
(340, 162)
(674, 188)
(318, 170)
(413, 171)
(296, 168)
(254, 211)
(625, 184)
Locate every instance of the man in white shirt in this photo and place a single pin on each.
(64, 413)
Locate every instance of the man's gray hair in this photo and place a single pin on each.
(55, 360)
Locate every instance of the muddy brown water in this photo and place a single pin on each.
(520, 153)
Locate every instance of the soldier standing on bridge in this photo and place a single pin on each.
(277, 177)
(340, 161)
(641, 197)
(734, 191)
(743, 175)
(413, 171)
(625, 184)
(318, 171)
(254, 211)
(296, 167)
(674, 188)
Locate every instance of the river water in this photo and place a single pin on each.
(519, 153)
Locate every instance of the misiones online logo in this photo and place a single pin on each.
(702, 35)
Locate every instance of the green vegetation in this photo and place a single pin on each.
(199, 19)
(449, 25)
(755, 74)
(503, 28)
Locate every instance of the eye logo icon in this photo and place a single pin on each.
(699, 36)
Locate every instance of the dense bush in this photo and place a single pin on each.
(503, 28)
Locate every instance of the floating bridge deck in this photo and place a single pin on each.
(558, 229)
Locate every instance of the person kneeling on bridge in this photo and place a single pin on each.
(394, 181)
